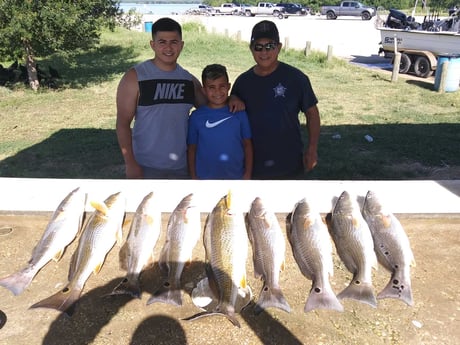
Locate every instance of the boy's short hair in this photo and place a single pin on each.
(214, 71)
(166, 24)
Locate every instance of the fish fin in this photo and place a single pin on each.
(322, 299)
(73, 266)
(362, 292)
(307, 222)
(355, 221)
(386, 220)
(128, 287)
(271, 298)
(58, 255)
(19, 281)
(283, 265)
(98, 267)
(401, 291)
(230, 317)
(123, 256)
(243, 282)
(63, 301)
(412, 263)
(119, 236)
(149, 219)
(228, 199)
(167, 293)
(100, 206)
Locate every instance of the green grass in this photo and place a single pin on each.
(69, 132)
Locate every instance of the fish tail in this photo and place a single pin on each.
(271, 298)
(398, 291)
(362, 292)
(63, 301)
(322, 299)
(230, 316)
(19, 281)
(167, 293)
(128, 287)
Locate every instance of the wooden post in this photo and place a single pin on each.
(442, 83)
(226, 32)
(329, 53)
(307, 48)
(396, 63)
(238, 35)
(286, 43)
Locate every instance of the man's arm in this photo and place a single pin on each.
(313, 127)
(248, 159)
(127, 96)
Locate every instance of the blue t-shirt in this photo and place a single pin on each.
(218, 135)
(273, 103)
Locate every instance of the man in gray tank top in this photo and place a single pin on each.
(158, 94)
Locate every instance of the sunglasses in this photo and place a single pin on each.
(267, 46)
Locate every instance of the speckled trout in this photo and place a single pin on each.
(312, 249)
(392, 247)
(99, 235)
(226, 245)
(355, 247)
(63, 227)
(269, 250)
(183, 233)
(137, 253)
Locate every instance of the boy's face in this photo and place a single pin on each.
(216, 91)
(167, 46)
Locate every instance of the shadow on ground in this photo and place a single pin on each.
(397, 151)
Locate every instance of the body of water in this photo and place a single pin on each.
(161, 9)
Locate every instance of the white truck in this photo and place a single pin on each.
(265, 8)
(227, 8)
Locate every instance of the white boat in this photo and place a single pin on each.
(420, 44)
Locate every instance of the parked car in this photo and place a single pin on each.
(294, 9)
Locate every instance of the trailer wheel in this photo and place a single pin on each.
(422, 67)
(405, 64)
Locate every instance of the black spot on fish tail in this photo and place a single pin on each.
(271, 298)
(167, 293)
(127, 287)
(397, 290)
(64, 301)
(359, 291)
(322, 298)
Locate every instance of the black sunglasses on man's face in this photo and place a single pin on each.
(267, 46)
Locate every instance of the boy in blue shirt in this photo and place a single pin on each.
(219, 141)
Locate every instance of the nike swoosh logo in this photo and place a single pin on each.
(217, 123)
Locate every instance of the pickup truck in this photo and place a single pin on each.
(265, 8)
(349, 8)
(227, 8)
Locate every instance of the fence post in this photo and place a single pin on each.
(329, 53)
(307, 48)
(442, 82)
(396, 63)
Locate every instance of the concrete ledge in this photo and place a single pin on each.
(44, 195)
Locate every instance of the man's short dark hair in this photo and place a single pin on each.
(214, 71)
(166, 24)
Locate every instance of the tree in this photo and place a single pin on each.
(37, 28)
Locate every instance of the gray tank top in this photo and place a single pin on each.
(160, 126)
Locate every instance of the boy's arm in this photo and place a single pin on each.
(248, 159)
(191, 154)
(127, 96)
